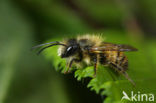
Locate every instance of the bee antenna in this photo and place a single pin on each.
(37, 46)
(48, 47)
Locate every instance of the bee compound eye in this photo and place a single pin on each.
(69, 48)
(70, 51)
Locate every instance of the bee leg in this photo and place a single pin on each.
(70, 64)
(123, 72)
(95, 69)
(66, 71)
(95, 66)
(127, 77)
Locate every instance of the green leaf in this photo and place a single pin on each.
(109, 83)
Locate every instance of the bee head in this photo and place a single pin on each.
(71, 49)
(67, 49)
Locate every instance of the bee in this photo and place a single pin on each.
(91, 50)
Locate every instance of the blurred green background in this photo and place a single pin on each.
(28, 78)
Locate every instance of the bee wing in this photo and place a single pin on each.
(112, 47)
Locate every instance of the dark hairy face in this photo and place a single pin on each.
(71, 49)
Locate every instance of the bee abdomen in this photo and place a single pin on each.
(122, 61)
